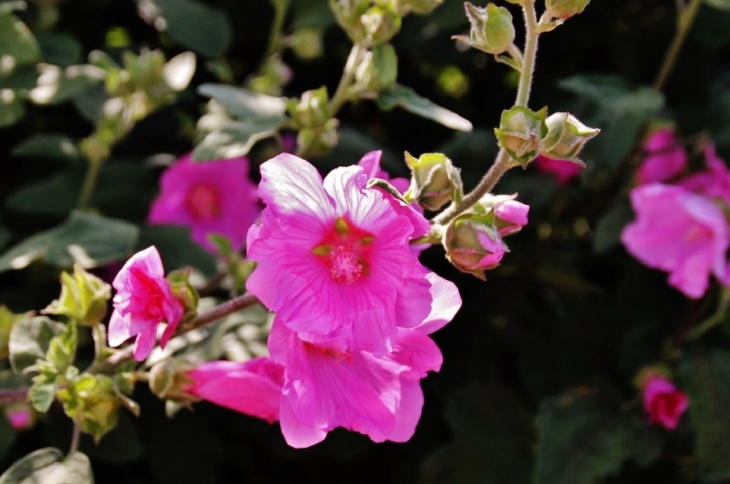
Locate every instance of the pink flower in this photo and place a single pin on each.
(663, 403)
(665, 157)
(144, 299)
(212, 197)
(252, 387)
(715, 182)
(563, 170)
(20, 416)
(679, 232)
(334, 260)
(510, 216)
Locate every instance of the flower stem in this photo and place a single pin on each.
(715, 319)
(75, 437)
(99, 336)
(277, 25)
(530, 53)
(685, 18)
(87, 189)
(218, 312)
(341, 94)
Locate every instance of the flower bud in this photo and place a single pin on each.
(182, 289)
(91, 401)
(566, 137)
(507, 214)
(491, 31)
(379, 68)
(307, 43)
(435, 180)
(564, 9)
(419, 7)
(319, 140)
(348, 14)
(83, 298)
(380, 24)
(312, 110)
(473, 245)
(167, 379)
(520, 131)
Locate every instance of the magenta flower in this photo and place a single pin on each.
(334, 260)
(679, 232)
(510, 216)
(252, 387)
(665, 157)
(713, 183)
(19, 415)
(212, 197)
(144, 299)
(563, 170)
(663, 403)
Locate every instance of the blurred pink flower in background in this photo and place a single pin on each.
(19, 415)
(210, 197)
(713, 183)
(663, 403)
(144, 299)
(665, 157)
(679, 232)
(563, 170)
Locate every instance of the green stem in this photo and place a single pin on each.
(528, 62)
(99, 336)
(87, 189)
(715, 319)
(341, 94)
(685, 19)
(75, 437)
(277, 26)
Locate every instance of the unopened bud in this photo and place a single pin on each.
(90, 400)
(379, 68)
(507, 214)
(348, 14)
(312, 110)
(182, 289)
(566, 137)
(83, 298)
(491, 31)
(169, 377)
(320, 140)
(380, 24)
(564, 9)
(473, 245)
(520, 131)
(435, 180)
(307, 43)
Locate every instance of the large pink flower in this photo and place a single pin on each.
(144, 299)
(679, 232)
(713, 183)
(663, 403)
(334, 260)
(665, 157)
(212, 197)
(252, 387)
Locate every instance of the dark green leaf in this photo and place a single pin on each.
(86, 239)
(584, 435)
(59, 48)
(48, 466)
(719, 4)
(197, 26)
(243, 104)
(312, 14)
(706, 378)
(235, 139)
(55, 195)
(55, 146)
(494, 439)
(7, 435)
(406, 98)
(11, 107)
(29, 340)
(610, 226)
(42, 395)
(16, 40)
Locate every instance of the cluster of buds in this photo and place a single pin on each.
(378, 69)
(491, 31)
(524, 134)
(311, 115)
(474, 240)
(435, 181)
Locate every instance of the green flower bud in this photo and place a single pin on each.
(83, 298)
(319, 140)
(380, 24)
(566, 137)
(492, 30)
(307, 43)
(348, 13)
(90, 400)
(473, 244)
(565, 8)
(435, 180)
(379, 68)
(312, 110)
(273, 75)
(520, 131)
(168, 378)
(182, 289)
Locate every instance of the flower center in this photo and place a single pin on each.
(697, 233)
(344, 251)
(203, 202)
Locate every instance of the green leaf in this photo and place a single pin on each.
(242, 103)
(202, 28)
(42, 395)
(7, 435)
(55, 195)
(494, 439)
(235, 139)
(57, 84)
(59, 48)
(11, 107)
(176, 248)
(48, 466)
(406, 98)
(719, 4)
(610, 226)
(584, 435)
(54, 146)
(16, 40)
(86, 239)
(30, 339)
(705, 376)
